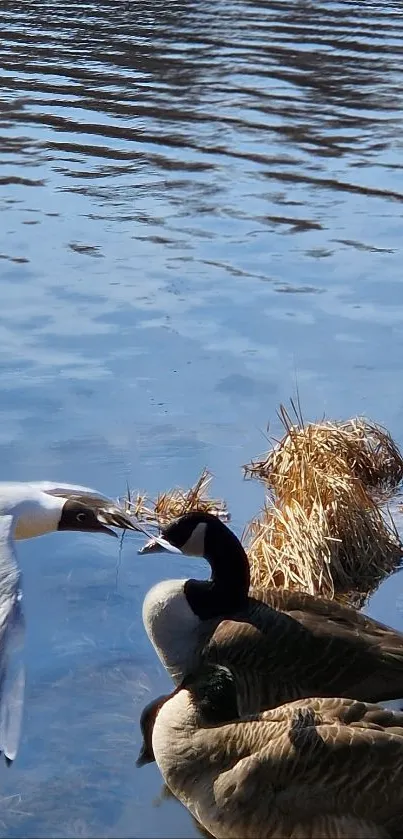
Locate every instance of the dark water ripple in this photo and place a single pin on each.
(201, 207)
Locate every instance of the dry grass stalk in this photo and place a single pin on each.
(169, 505)
(323, 531)
(276, 544)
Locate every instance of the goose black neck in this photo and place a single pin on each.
(214, 692)
(227, 589)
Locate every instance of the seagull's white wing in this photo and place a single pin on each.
(53, 488)
(18, 488)
(12, 674)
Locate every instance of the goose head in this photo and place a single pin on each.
(193, 534)
(205, 535)
(206, 697)
(147, 722)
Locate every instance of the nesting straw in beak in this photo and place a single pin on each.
(157, 544)
(116, 517)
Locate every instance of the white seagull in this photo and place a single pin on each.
(28, 510)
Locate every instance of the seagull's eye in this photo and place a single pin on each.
(81, 516)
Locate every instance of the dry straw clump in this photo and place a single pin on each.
(322, 529)
(175, 502)
(357, 449)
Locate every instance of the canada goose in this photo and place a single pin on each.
(280, 645)
(311, 769)
(28, 510)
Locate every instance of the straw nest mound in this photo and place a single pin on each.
(175, 502)
(322, 529)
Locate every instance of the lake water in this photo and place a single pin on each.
(202, 208)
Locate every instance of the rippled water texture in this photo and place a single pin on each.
(201, 210)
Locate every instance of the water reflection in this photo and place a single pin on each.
(201, 207)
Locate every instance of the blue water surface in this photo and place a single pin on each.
(201, 212)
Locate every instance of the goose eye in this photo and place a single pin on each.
(80, 516)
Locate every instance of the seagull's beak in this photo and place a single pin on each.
(116, 517)
(157, 544)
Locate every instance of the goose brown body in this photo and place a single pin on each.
(280, 645)
(286, 645)
(319, 768)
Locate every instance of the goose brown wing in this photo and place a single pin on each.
(330, 710)
(289, 644)
(354, 654)
(346, 650)
(306, 766)
(327, 615)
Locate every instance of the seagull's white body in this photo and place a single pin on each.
(26, 510)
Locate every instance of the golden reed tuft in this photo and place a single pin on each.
(322, 529)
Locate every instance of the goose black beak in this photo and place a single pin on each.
(157, 544)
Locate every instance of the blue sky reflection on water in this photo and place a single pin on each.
(200, 209)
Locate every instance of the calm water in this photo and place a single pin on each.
(201, 207)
